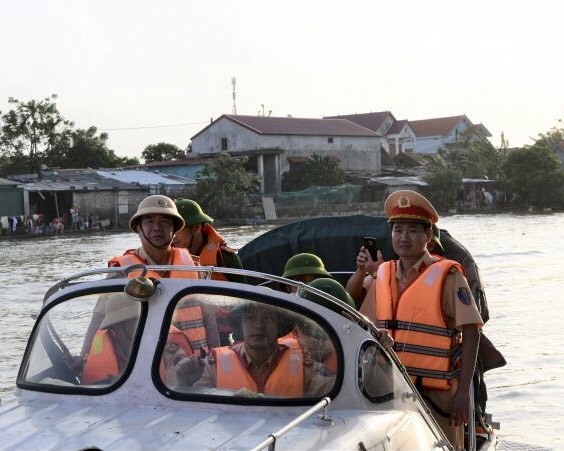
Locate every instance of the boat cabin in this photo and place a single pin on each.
(118, 360)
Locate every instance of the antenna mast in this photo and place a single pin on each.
(233, 82)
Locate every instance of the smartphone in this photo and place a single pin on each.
(370, 244)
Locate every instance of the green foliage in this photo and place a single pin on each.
(534, 176)
(444, 182)
(162, 152)
(474, 159)
(34, 133)
(317, 171)
(224, 189)
(32, 129)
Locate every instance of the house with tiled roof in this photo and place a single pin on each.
(400, 138)
(442, 132)
(272, 143)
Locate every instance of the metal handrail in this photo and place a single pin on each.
(270, 441)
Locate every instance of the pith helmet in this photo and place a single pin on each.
(332, 287)
(407, 205)
(192, 212)
(304, 264)
(157, 204)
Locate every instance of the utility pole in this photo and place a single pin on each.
(233, 84)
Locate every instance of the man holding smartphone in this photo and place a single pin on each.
(425, 304)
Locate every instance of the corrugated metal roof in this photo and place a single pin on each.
(135, 176)
(399, 181)
(7, 182)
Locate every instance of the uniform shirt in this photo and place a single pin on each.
(459, 309)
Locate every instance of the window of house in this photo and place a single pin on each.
(223, 143)
(330, 140)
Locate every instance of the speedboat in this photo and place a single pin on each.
(111, 364)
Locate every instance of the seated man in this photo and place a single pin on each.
(259, 363)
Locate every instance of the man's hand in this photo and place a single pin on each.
(459, 409)
(365, 263)
(189, 370)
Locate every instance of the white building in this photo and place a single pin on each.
(433, 134)
(275, 141)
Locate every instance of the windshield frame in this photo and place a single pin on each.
(275, 299)
(91, 390)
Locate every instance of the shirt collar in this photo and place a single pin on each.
(419, 266)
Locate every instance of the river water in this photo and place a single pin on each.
(521, 264)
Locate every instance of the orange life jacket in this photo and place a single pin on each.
(188, 320)
(292, 342)
(208, 254)
(285, 379)
(415, 320)
(180, 257)
(101, 362)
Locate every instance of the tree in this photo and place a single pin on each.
(30, 129)
(477, 158)
(444, 182)
(162, 152)
(317, 171)
(224, 188)
(533, 174)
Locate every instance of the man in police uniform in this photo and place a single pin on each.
(425, 302)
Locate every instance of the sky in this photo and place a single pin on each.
(147, 72)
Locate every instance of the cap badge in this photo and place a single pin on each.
(161, 203)
(404, 202)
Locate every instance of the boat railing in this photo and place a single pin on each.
(206, 273)
(270, 441)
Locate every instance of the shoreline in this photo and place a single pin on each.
(5, 235)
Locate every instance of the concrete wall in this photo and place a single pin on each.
(118, 206)
(354, 153)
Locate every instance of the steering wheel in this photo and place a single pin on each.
(58, 354)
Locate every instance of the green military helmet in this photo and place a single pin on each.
(332, 287)
(439, 249)
(304, 264)
(192, 212)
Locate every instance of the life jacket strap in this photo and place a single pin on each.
(425, 350)
(435, 374)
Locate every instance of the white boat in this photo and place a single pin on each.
(357, 396)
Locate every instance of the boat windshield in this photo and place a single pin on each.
(82, 342)
(243, 348)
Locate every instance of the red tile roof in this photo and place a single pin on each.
(372, 121)
(264, 125)
(440, 126)
(397, 126)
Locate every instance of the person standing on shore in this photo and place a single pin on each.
(424, 301)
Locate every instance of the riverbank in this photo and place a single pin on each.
(285, 215)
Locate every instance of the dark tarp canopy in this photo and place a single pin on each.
(336, 240)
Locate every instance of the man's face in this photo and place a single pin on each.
(260, 327)
(304, 278)
(185, 237)
(409, 239)
(159, 229)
